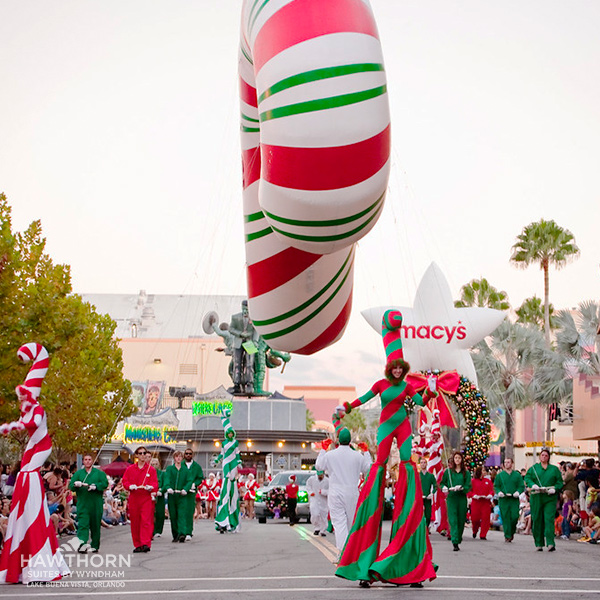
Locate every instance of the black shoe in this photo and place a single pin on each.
(316, 532)
(145, 549)
(363, 583)
(540, 549)
(182, 539)
(175, 539)
(455, 547)
(138, 550)
(474, 535)
(323, 534)
(552, 549)
(416, 585)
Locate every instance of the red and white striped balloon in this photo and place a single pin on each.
(315, 153)
(39, 355)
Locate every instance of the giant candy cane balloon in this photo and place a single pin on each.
(315, 153)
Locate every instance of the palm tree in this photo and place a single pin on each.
(531, 312)
(479, 292)
(548, 244)
(577, 338)
(515, 368)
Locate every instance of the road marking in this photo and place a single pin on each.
(328, 550)
(485, 591)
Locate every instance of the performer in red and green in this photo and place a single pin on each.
(407, 558)
(456, 482)
(543, 480)
(509, 485)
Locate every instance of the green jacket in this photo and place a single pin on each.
(95, 477)
(509, 483)
(177, 479)
(549, 477)
(451, 478)
(428, 483)
(196, 473)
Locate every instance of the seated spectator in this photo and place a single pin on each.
(495, 519)
(62, 524)
(590, 533)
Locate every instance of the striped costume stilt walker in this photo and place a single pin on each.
(408, 557)
(316, 158)
(30, 551)
(228, 507)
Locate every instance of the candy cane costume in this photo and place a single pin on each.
(315, 154)
(407, 558)
(30, 551)
(228, 508)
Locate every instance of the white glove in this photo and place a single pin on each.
(92, 487)
(340, 411)
(133, 487)
(432, 383)
(516, 495)
(78, 483)
(458, 488)
(551, 491)
(430, 497)
(170, 491)
(148, 487)
(535, 486)
(445, 490)
(183, 493)
(159, 493)
(489, 497)
(501, 494)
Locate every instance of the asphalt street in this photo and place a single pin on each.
(277, 561)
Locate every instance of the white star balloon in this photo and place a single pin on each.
(435, 335)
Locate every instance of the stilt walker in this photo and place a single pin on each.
(228, 507)
(408, 557)
(30, 551)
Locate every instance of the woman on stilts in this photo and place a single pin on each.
(408, 557)
(456, 483)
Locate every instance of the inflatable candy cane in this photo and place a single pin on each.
(315, 153)
(435, 466)
(30, 551)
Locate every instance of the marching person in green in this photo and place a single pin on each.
(428, 486)
(456, 482)
(196, 477)
(178, 482)
(159, 506)
(543, 480)
(89, 485)
(509, 486)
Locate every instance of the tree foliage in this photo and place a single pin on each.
(84, 391)
(479, 292)
(545, 243)
(531, 312)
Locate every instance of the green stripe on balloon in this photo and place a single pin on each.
(247, 118)
(322, 104)
(252, 19)
(325, 222)
(246, 129)
(327, 238)
(275, 334)
(258, 234)
(310, 301)
(254, 217)
(319, 75)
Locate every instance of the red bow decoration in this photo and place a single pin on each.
(326, 443)
(362, 446)
(447, 383)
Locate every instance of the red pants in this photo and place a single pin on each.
(141, 515)
(480, 516)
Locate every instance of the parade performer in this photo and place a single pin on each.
(142, 483)
(317, 487)
(213, 488)
(345, 467)
(407, 558)
(481, 494)
(30, 551)
(197, 477)
(178, 480)
(159, 505)
(509, 485)
(543, 480)
(89, 485)
(428, 488)
(228, 507)
(250, 495)
(456, 483)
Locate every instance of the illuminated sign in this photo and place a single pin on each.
(148, 435)
(211, 408)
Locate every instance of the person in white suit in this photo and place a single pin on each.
(344, 466)
(317, 487)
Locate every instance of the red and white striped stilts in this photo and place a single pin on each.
(30, 551)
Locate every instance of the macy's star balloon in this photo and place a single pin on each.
(315, 156)
(435, 334)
